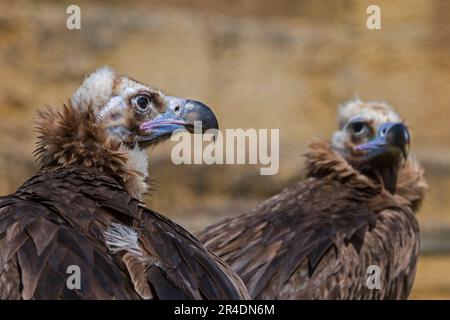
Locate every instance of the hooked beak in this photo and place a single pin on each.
(181, 114)
(384, 152)
(392, 141)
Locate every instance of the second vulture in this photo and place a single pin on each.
(354, 214)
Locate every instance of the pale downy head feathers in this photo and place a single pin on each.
(374, 113)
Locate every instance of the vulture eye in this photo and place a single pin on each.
(141, 103)
(359, 129)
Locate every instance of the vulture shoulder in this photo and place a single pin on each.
(79, 217)
(186, 261)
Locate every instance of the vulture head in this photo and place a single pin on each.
(373, 139)
(134, 113)
(109, 122)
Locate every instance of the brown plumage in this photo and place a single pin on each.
(82, 208)
(316, 239)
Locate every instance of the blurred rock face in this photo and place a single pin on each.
(272, 64)
(260, 64)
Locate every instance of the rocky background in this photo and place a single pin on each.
(260, 64)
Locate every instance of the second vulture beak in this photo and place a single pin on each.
(180, 114)
(391, 142)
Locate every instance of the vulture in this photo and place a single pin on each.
(347, 230)
(78, 229)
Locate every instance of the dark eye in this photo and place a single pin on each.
(359, 129)
(142, 103)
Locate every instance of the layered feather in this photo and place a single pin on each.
(59, 218)
(316, 239)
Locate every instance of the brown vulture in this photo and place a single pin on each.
(355, 209)
(81, 214)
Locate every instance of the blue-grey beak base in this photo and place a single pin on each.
(184, 115)
(392, 140)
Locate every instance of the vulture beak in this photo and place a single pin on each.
(180, 114)
(384, 152)
(391, 142)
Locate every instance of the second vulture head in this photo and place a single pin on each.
(373, 139)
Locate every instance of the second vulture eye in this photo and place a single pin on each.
(359, 129)
(142, 103)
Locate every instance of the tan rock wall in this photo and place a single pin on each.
(260, 64)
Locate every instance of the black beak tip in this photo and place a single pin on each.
(398, 136)
(198, 111)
